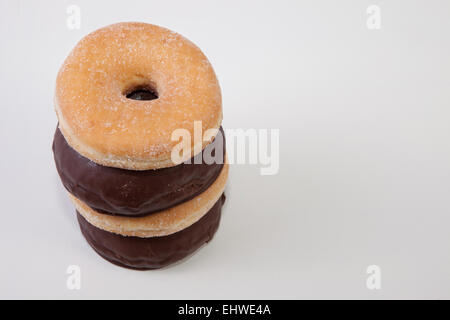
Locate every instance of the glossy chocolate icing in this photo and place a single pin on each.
(156, 252)
(132, 193)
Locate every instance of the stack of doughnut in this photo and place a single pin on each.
(120, 95)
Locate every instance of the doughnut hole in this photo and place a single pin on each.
(143, 92)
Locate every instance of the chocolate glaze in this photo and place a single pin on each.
(156, 252)
(132, 193)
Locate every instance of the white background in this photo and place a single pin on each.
(364, 151)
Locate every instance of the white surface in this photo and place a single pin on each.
(364, 166)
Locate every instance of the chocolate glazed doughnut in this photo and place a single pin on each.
(133, 193)
(156, 252)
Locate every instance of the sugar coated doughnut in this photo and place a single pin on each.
(92, 98)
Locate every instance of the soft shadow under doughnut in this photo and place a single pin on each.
(128, 192)
(156, 252)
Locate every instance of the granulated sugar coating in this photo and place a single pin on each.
(103, 125)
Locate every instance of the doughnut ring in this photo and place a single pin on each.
(102, 124)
